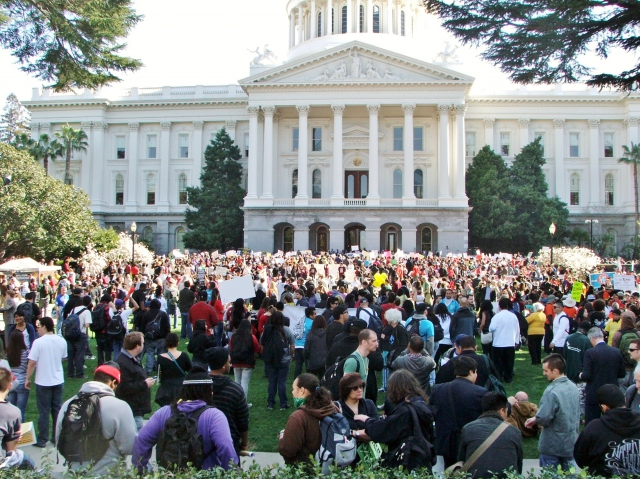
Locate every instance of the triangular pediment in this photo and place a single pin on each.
(356, 63)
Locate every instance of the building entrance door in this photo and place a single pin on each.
(356, 184)
(354, 236)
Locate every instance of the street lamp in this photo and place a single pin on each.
(133, 245)
(552, 230)
(591, 222)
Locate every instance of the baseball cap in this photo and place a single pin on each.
(109, 371)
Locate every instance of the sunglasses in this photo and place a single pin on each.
(632, 350)
(355, 388)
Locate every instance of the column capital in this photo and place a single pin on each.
(45, 127)
(629, 121)
(253, 110)
(166, 125)
(198, 124)
(408, 108)
(373, 109)
(489, 121)
(558, 123)
(134, 127)
(86, 125)
(231, 125)
(269, 110)
(593, 123)
(100, 125)
(443, 107)
(524, 122)
(460, 109)
(303, 110)
(337, 109)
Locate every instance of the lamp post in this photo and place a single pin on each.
(591, 222)
(552, 230)
(133, 239)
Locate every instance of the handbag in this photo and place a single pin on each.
(461, 466)
(486, 338)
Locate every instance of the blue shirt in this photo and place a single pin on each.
(426, 330)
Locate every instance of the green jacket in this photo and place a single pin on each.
(574, 348)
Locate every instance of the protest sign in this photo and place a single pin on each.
(232, 289)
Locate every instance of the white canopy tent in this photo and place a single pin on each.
(26, 265)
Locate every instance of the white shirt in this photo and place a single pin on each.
(85, 317)
(49, 351)
(561, 328)
(505, 329)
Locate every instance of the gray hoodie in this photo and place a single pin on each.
(559, 416)
(421, 366)
(117, 423)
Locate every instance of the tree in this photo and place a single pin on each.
(14, 120)
(67, 141)
(632, 157)
(542, 42)
(42, 150)
(216, 220)
(72, 44)
(41, 217)
(579, 236)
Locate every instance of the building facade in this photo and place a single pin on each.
(354, 141)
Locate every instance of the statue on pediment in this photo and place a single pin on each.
(355, 65)
(324, 76)
(389, 75)
(266, 55)
(448, 55)
(340, 73)
(372, 73)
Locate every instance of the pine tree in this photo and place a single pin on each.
(215, 218)
(14, 120)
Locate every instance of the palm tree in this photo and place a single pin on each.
(23, 141)
(68, 140)
(632, 157)
(43, 149)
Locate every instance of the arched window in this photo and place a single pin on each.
(376, 19)
(294, 183)
(344, 20)
(317, 184)
(426, 241)
(319, 24)
(180, 238)
(418, 183)
(574, 199)
(147, 234)
(397, 183)
(151, 190)
(361, 19)
(608, 190)
(119, 190)
(182, 189)
(402, 23)
(287, 239)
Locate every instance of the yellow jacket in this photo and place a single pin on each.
(536, 323)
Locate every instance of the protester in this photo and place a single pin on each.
(352, 402)
(173, 366)
(417, 361)
(521, 411)
(10, 424)
(535, 332)
(278, 345)
(18, 359)
(315, 347)
(506, 334)
(243, 347)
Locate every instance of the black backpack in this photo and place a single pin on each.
(413, 327)
(493, 383)
(98, 319)
(152, 329)
(333, 375)
(273, 345)
(26, 309)
(180, 444)
(115, 328)
(414, 452)
(438, 332)
(81, 438)
(375, 323)
(71, 330)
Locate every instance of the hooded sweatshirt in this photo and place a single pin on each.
(420, 365)
(117, 424)
(610, 445)
(301, 437)
(212, 426)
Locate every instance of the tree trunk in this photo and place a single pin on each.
(46, 164)
(67, 168)
(635, 191)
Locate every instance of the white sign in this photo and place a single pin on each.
(221, 270)
(232, 289)
(625, 282)
(355, 247)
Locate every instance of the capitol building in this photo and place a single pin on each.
(360, 137)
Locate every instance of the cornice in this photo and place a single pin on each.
(152, 104)
(360, 86)
(549, 99)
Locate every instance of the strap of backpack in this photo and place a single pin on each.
(196, 416)
(484, 446)
(417, 430)
(177, 365)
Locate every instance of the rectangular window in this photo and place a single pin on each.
(119, 190)
(121, 148)
(540, 134)
(246, 145)
(470, 144)
(183, 142)
(151, 190)
(296, 139)
(574, 197)
(608, 190)
(152, 146)
(505, 143)
(418, 143)
(608, 145)
(317, 139)
(397, 138)
(574, 145)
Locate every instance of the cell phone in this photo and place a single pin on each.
(154, 377)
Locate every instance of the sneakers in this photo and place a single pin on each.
(249, 404)
(269, 408)
(286, 406)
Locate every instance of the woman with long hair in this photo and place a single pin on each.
(219, 307)
(277, 370)
(18, 359)
(446, 343)
(484, 317)
(315, 346)
(243, 347)
(352, 402)
(173, 366)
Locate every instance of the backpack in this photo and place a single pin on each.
(625, 340)
(26, 308)
(337, 445)
(71, 326)
(152, 329)
(375, 323)
(438, 332)
(273, 345)
(333, 375)
(98, 319)
(493, 383)
(180, 443)
(81, 438)
(115, 328)
(414, 452)
(413, 327)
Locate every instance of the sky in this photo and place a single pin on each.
(206, 42)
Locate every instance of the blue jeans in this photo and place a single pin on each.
(547, 460)
(277, 375)
(19, 398)
(139, 422)
(173, 311)
(117, 347)
(185, 329)
(152, 348)
(75, 356)
(49, 401)
(219, 331)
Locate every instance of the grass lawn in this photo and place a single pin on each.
(265, 425)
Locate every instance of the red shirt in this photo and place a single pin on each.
(201, 310)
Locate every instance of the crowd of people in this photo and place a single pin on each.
(354, 327)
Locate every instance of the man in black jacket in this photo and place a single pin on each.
(466, 346)
(609, 445)
(156, 325)
(464, 320)
(135, 386)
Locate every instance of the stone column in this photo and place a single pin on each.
(357, 15)
(594, 163)
(337, 164)
(398, 17)
(197, 151)
(372, 235)
(336, 237)
(131, 202)
(329, 18)
(100, 165)
(443, 160)
(303, 152)
(559, 158)
(369, 20)
(301, 237)
(389, 22)
(252, 163)
(632, 130)
(408, 196)
(488, 132)
(230, 128)
(85, 165)
(374, 167)
(164, 172)
(409, 239)
(409, 25)
(292, 30)
(524, 132)
(459, 164)
(349, 16)
(314, 20)
(300, 25)
(267, 169)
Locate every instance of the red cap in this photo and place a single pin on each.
(109, 370)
